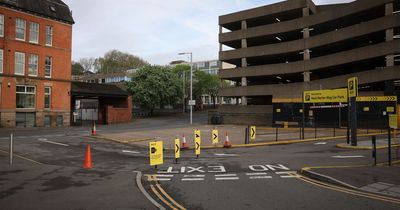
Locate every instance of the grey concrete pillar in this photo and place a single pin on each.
(389, 34)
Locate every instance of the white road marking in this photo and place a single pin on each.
(198, 175)
(226, 178)
(260, 177)
(52, 142)
(320, 143)
(128, 151)
(285, 172)
(288, 174)
(223, 154)
(192, 179)
(348, 156)
(163, 179)
(224, 175)
(256, 174)
(164, 175)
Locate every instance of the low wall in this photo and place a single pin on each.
(118, 115)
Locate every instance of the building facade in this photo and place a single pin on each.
(35, 63)
(113, 78)
(283, 49)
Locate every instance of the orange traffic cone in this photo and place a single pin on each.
(227, 144)
(184, 144)
(88, 158)
(94, 129)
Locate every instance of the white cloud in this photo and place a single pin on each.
(155, 30)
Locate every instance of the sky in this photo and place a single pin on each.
(155, 30)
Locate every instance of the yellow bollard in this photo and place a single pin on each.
(285, 124)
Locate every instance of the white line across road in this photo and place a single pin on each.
(192, 179)
(129, 151)
(256, 174)
(52, 142)
(348, 156)
(226, 178)
(320, 143)
(223, 154)
(225, 175)
(260, 177)
(194, 176)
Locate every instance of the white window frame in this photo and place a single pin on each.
(47, 65)
(49, 95)
(49, 33)
(26, 92)
(32, 30)
(1, 25)
(33, 63)
(17, 62)
(1, 60)
(22, 27)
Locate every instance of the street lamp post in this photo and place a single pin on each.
(191, 84)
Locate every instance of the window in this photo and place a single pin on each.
(47, 97)
(201, 65)
(214, 63)
(26, 96)
(1, 60)
(48, 65)
(33, 65)
(1, 25)
(19, 63)
(49, 35)
(20, 29)
(34, 32)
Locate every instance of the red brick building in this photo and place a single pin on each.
(35, 63)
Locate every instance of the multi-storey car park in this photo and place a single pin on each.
(283, 49)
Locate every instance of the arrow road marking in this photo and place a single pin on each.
(348, 156)
(128, 151)
(52, 142)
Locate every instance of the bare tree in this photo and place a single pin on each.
(87, 63)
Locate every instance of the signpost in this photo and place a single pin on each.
(192, 102)
(352, 88)
(325, 96)
(177, 150)
(156, 153)
(215, 136)
(253, 132)
(197, 142)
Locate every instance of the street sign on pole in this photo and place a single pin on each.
(352, 86)
(215, 136)
(156, 153)
(197, 142)
(177, 149)
(253, 132)
(325, 96)
(393, 121)
(192, 102)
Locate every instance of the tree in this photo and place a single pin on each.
(117, 61)
(77, 68)
(206, 84)
(87, 63)
(154, 86)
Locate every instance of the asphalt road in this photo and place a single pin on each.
(245, 178)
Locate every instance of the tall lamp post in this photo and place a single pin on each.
(191, 84)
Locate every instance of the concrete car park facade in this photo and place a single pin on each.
(283, 49)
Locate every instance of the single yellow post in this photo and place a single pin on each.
(286, 125)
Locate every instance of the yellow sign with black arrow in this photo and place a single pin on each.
(177, 148)
(393, 121)
(197, 142)
(253, 132)
(215, 136)
(376, 98)
(156, 153)
(352, 87)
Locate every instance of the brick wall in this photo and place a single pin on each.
(119, 115)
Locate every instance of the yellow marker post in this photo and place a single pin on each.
(215, 136)
(352, 87)
(197, 142)
(253, 132)
(156, 153)
(393, 121)
(177, 149)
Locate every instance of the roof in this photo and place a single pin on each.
(94, 89)
(53, 9)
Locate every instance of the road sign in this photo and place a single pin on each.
(393, 121)
(197, 141)
(253, 132)
(215, 136)
(352, 87)
(376, 98)
(390, 109)
(325, 96)
(177, 148)
(192, 102)
(156, 153)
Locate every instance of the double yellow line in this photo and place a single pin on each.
(163, 196)
(348, 191)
